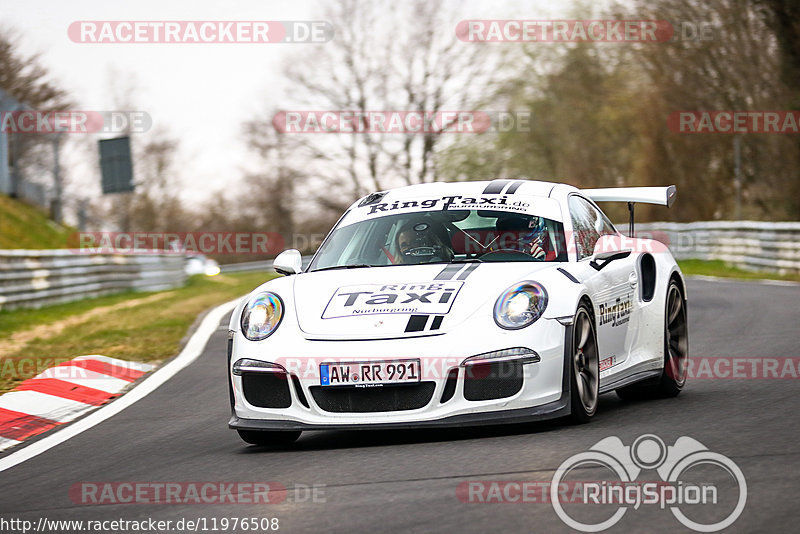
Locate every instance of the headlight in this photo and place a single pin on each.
(520, 305)
(261, 316)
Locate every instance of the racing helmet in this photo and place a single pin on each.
(422, 242)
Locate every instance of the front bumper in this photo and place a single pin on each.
(552, 410)
(544, 393)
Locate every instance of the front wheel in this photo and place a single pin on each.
(585, 367)
(269, 437)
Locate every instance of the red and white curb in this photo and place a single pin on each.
(191, 351)
(63, 393)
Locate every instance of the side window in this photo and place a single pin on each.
(588, 225)
(606, 227)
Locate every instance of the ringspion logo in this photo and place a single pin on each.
(675, 491)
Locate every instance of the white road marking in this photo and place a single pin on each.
(190, 353)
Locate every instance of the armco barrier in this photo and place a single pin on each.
(35, 278)
(755, 246)
(751, 245)
(255, 265)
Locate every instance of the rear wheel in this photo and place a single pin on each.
(585, 367)
(269, 437)
(676, 352)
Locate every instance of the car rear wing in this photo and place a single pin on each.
(664, 196)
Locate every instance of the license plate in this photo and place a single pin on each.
(369, 373)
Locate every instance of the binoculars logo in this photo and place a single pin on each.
(648, 452)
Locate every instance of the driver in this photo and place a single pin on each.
(422, 242)
(526, 234)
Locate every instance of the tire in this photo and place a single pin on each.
(584, 367)
(676, 352)
(269, 437)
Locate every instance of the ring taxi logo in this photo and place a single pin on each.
(671, 463)
(451, 202)
(405, 298)
(617, 313)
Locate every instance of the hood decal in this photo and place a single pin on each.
(451, 269)
(419, 298)
(417, 323)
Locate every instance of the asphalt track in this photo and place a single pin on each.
(406, 481)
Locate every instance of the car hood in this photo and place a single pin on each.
(400, 300)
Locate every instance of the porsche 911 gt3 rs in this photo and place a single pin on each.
(454, 304)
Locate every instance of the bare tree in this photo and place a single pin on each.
(386, 56)
(29, 83)
(156, 205)
(269, 196)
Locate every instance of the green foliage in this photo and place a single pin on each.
(599, 112)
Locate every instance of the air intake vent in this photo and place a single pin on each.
(375, 399)
(492, 381)
(267, 390)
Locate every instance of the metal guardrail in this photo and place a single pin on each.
(246, 266)
(751, 245)
(35, 278)
(255, 266)
(755, 246)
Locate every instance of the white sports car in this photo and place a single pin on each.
(455, 304)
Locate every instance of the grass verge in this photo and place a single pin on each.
(724, 270)
(146, 327)
(24, 226)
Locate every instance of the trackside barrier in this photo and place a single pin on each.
(35, 278)
(255, 265)
(751, 245)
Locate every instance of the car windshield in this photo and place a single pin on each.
(443, 237)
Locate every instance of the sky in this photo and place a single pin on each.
(200, 93)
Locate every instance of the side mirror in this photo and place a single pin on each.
(607, 249)
(288, 262)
